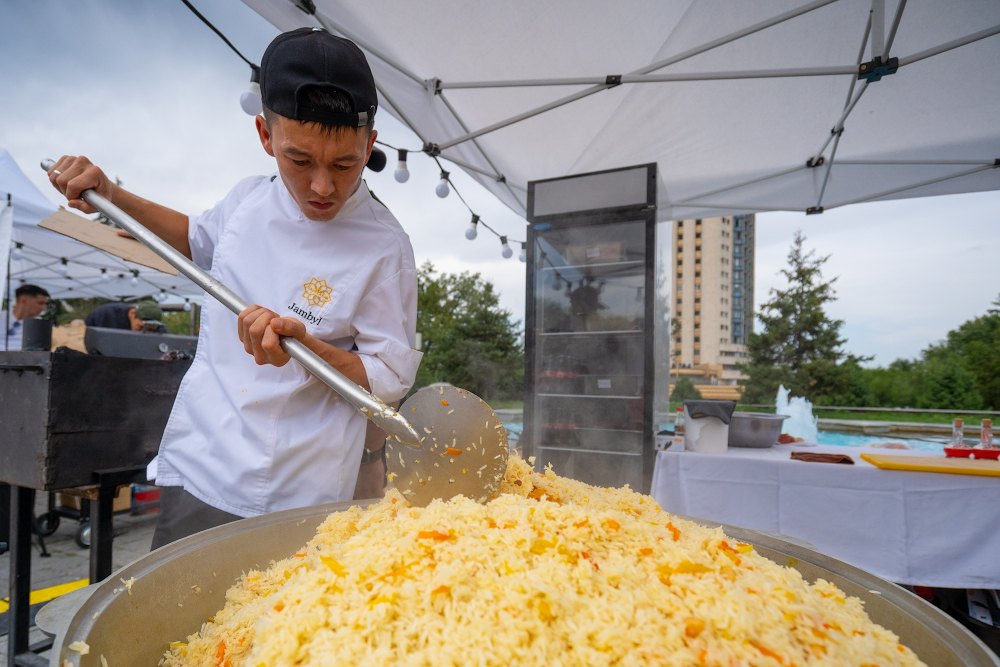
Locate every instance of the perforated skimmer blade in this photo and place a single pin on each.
(463, 448)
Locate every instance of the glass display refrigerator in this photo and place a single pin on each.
(588, 405)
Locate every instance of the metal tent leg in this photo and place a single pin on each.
(22, 514)
(101, 518)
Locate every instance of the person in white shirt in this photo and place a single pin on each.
(29, 301)
(250, 433)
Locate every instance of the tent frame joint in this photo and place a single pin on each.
(432, 149)
(875, 69)
(433, 85)
(612, 80)
(814, 210)
(812, 163)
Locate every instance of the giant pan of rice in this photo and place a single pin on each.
(552, 572)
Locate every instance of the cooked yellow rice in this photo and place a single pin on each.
(551, 573)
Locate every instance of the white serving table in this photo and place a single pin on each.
(917, 528)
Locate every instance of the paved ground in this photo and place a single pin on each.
(70, 563)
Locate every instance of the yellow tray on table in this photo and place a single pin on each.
(935, 464)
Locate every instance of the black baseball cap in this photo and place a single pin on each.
(309, 57)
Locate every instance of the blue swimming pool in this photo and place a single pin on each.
(825, 438)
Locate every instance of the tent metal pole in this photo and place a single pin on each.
(482, 151)
(917, 162)
(731, 207)
(850, 92)
(840, 123)
(333, 27)
(878, 27)
(402, 114)
(932, 181)
(645, 70)
(738, 185)
(523, 116)
(489, 161)
(948, 46)
(657, 78)
(757, 27)
(465, 165)
(829, 168)
(861, 56)
(892, 31)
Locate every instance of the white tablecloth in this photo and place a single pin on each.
(915, 528)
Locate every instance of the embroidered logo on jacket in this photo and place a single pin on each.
(317, 292)
(305, 314)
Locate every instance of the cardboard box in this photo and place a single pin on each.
(123, 499)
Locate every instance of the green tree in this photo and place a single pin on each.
(799, 345)
(468, 340)
(685, 390)
(950, 386)
(976, 346)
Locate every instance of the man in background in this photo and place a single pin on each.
(30, 301)
(142, 316)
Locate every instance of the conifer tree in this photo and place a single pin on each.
(799, 345)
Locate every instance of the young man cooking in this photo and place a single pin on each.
(249, 432)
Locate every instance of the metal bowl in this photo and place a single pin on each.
(179, 586)
(755, 429)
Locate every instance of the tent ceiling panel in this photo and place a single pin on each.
(705, 135)
(38, 258)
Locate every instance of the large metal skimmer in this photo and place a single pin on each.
(416, 424)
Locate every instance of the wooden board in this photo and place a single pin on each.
(105, 238)
(935, 464)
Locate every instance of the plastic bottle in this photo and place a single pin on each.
(958, 434)
(678, 442)
(986, 435)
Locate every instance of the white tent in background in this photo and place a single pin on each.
(744, 106)
(37, 254)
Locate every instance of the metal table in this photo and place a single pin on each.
(70, 419)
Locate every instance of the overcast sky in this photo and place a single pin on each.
(150, 94)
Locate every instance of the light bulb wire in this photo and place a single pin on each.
(256, 68)
(451, 184)
(219, 33)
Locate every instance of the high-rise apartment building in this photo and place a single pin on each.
(713, 261)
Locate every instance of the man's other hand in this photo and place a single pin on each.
(260, 330)
(77, 174)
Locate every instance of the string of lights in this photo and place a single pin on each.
(250, 102)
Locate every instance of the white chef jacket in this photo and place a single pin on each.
(11, 331)
(251, 439)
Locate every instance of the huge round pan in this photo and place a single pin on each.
(176, 589)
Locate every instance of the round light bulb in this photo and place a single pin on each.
(105, 278)
(16, 253)
(402, 174)
(134, 282)
(473, 231)
(187, 306)
(506, 252)
(442, 188)
(524, 253)
(62, 269)
(250, 100)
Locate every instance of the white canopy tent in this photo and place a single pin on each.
(37, 254)
(745, 107)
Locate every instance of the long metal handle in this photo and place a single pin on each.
(370, 405)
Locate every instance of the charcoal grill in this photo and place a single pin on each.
(69, 419)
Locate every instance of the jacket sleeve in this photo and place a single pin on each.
(204, 229)
(384, 329)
